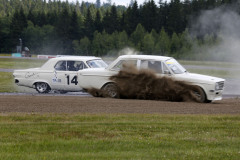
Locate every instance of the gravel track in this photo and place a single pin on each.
(79, 104)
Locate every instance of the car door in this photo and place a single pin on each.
(58, 79)
(156, 66)
(71, 75)
(153, 65)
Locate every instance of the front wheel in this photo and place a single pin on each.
(111, 90)
(200, 94)
(42, 87)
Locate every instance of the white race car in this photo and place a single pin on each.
(210, 88)
(57, 73)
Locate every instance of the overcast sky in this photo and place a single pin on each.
(117, 2)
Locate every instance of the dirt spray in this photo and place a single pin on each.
(144, 84)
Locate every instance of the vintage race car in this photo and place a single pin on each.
(210, 88)
(58, 74)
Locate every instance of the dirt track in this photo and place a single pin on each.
(75, 104)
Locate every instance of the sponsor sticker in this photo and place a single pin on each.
(55, 80)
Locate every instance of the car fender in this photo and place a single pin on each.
(37, 81)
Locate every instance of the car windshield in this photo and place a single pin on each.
(175, 66)
(97, 63)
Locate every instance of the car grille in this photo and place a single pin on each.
(221, 85)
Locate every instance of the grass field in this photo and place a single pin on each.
(13, 63)
(7, 82)
(120, 136)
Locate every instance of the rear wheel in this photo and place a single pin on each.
(111, 90)
(42, 87)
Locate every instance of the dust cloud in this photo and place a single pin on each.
(128, 51)
(144, 84)
(222, 23)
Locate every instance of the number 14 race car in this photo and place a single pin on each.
(58, 74)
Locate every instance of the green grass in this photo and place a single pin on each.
(13, 63)
(5, 54)
(120, 136)
(7, 82)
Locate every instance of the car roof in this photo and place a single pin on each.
(153, 57)
(82, 58)
(51, 62)
(143, 57)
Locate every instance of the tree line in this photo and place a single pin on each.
(56, 27)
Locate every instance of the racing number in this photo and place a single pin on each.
(74, 80)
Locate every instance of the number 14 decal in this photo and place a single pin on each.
(74, 80)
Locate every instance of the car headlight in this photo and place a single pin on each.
(219, 85)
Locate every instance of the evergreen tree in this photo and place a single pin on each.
(175, 44)
(63, 28)
(163, 43)
(148, 44)
(132, 18)
(111, 21)
(97, 44)
(131, 3)
(4, 35)
(98, 3)
(98, 22)
(149, 16)
(31, 17)
(18, 23)
(22, 19)
(137, 37)
(74, 28)
(85, 46)
(123, 40)
(41, 19)
(83, 8)
(89, 25)
(175, 21)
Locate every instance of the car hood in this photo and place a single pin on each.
(193, 77)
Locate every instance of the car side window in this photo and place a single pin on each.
(60, 66)
(121, 63)
(75, 65)
(165, 69)
(155, 66)
(80, 65)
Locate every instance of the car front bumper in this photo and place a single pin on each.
(215, 95)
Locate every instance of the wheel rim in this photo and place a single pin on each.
(42, 87)
(200, 95)
(111, 90)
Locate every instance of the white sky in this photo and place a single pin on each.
(117, 2)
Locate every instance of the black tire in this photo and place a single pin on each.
(111, 90)
(42, 87)
(200, 95)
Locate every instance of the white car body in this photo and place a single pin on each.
(56, 74)
(99, 77)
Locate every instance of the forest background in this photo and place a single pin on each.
(103, 29)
